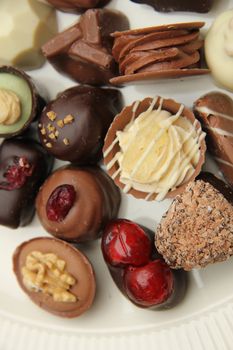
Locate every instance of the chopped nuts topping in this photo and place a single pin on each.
(60, 123)
(47, 273)
(51, 115)
(66, 141)
(68, 119)
(49, 145)
(56, 133)
(51, 127)
(52, 136)
(43, 131)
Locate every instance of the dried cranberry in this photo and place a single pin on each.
(124, 243)
(16, 175)
(149, 285)
(60, 202)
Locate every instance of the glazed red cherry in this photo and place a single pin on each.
(149, 285)
(60, 202)
(125, 243)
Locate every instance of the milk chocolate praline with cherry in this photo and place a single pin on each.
(73, 126)
(201, 6)
(20, 101)
(76, 265)
(131, 113)
(83, 52)
(24, 165)
(138, 270)
(76, 6)
(75, 204)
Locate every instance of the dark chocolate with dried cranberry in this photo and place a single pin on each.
(74, 125)
(83, 52)
(201, 6)
(138, 269)
(24, 165)
(76, 6)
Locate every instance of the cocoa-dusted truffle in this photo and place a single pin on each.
(73, 126)
(178, 5)
(154, 148)
(74, 6)
(20, 101)
(165, 51)
(197, 229)
(24, 165)
(83, 52)
(75, 204)
(215, 112)
(55, 275)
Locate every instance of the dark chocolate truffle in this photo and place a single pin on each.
(165, 51)
(66, 287)
(83, 52)
(197, 229)
(215, 112)
(75, 204)
(24, 165)
(76, 6)
(20, 102)
(178, 5)
(73, 126)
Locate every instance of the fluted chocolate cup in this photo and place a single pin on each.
(111, 147)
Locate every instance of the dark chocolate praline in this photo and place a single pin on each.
(76, 264)
(83, 52)
(77, 6)
(74, 204)
(201, 6)
(74, 125)
(36, 101)
(24, 165)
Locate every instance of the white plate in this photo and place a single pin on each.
(204, 320)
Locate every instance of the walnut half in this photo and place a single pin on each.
(47, 273)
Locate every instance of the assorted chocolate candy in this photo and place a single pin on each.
(75, 5)
(74, 125)
(24, 165)
(137, 268)
(55, 275)
(83, 52)
(154, 148)
(215, 112)
(20, 102)
(166, 51)
(75, 204)
(178, 5)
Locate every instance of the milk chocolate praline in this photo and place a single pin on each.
(94, 199)
(73, 126)
(34, 99)
(76, 264)
(178, 5)
(124, 118)
(215, 112)
(76, 6)
(24, 165)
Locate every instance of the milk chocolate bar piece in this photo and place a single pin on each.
(215, 112)
(178, 5)
(83, 52)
